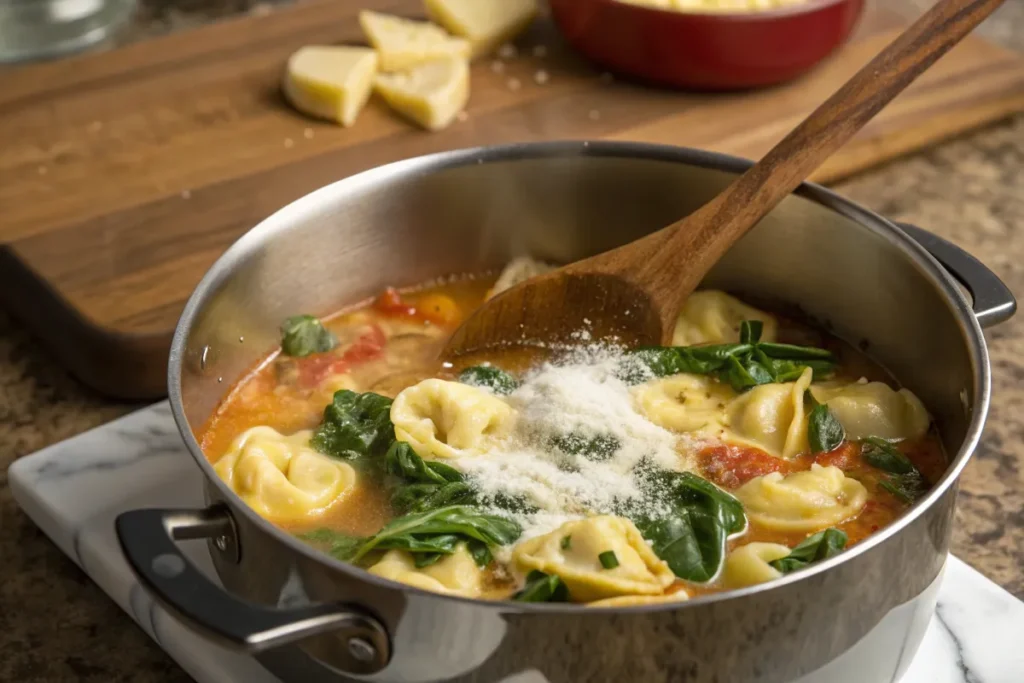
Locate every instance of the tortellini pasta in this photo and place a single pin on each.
(573, 553)
(684, 403)
(875, 409)
(281, 477)
(748, 564)
(638, 600)
(772, 417)
(442, 419)
(713, 317)
(455, 574)
(805, 501)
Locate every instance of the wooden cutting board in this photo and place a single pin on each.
(123, 175)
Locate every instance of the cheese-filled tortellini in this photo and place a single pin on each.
(455, 574)
(875, 409)
(281, 477)
(684, 403)
(772, 417)
(805, 501)
(748, 564)
(713, 317)
(442, 419)
(574, 552)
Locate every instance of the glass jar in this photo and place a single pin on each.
(36, 29)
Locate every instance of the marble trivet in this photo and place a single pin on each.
(74, 490)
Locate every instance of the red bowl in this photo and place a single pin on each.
(707, 51)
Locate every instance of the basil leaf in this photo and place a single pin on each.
(819, 546)
(750, 331)
(824, 432)
(302, 335)
(541, 587)
(600, 447)
(882, 455)
(481, 553)
(336, 543)
(355, 426)
(439, 530)
(489, 377)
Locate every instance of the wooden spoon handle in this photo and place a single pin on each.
(717, 225)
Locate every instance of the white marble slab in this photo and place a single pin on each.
(75, 489)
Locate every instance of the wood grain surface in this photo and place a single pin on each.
(123, 175)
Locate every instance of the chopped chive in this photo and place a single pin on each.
(566, 542)
(608, 559)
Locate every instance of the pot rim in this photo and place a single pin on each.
(285, 217)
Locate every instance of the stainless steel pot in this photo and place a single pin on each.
(858, 617)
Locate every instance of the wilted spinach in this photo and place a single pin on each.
(335, 543)
(541, 587)
(819, 546)
(302, 335)
(905, 481)
(824, 432)
(355, 426)
(691, 538)
(437, 532)
(600, 447)
(744, 365)
(489, 377)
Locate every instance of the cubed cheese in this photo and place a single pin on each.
(431, 94)
(330, 82)
(404, 43)
(486, 24)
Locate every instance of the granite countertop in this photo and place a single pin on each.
(56, 625)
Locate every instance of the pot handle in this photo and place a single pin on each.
(993, 301)
(148, 539)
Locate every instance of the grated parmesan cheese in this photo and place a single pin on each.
(579, 395)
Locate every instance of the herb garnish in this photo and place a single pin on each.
(302, 335)
(608, 559)
(905, 481)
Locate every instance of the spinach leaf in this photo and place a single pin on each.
(600, 447)
(882, 455)
(410, 498)
(489, 377)
(302, 335)
(335, 543)
(438, 531)
(355, 426)
(907, 487)
(541, 587)
(480, 552)
(824, 432)
(401, 461)
(819, 546)
(691, 538)
(744, 365)
(905, 481)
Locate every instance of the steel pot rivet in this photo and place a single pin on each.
(361, 649)
(222, 543)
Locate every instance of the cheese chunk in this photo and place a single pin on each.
(404, 43)
(330, 82)
(486, 24)
(431, 94)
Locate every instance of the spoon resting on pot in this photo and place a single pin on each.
(634, 293)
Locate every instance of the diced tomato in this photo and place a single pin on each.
(367, 347)
(313, 369)
(390, 302)
(846, 457)
(733, 466)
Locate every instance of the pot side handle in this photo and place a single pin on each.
(993, 301)
(148, 537)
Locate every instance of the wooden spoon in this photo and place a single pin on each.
(634, 293)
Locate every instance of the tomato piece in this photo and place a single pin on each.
(390, 302)
(733, 466)
(313, 368)
(846, 457)
(368, 346)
